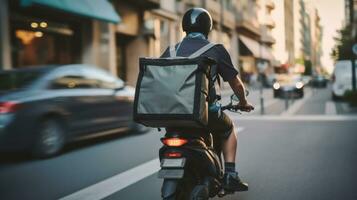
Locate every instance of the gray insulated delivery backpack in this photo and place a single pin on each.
(174, 91)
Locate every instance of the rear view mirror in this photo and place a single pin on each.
(234, 97)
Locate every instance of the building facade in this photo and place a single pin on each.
(268, 24)
(35, 32)
(316, 41)
(284, 48)
(38, 32)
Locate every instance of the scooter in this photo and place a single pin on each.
(191, 163)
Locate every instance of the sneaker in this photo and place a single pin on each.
(232, 182)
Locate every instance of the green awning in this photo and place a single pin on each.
(97, 9)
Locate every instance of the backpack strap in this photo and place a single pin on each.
(202, 50)
(172, 51)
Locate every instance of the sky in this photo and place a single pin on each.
(332, 17)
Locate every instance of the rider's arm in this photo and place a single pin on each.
(238, 89)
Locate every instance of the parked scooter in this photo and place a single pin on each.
(191, 163)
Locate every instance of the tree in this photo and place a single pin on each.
(344, 42)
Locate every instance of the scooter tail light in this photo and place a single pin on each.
(173, 155)
(8, 107)
(174, 142)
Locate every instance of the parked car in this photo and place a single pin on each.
(290, 86)
(43, 108)
(341, 78)
(270, 79)
(319, 81)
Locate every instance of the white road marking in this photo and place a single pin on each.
(297, 118)
(239, 129)
(330, 108)
(120, 181)
(345, 107)
(297, 105)
(116, 183)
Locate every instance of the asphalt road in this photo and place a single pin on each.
(304, 152)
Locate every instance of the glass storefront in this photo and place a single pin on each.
(38, 41)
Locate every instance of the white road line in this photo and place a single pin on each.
(297, 105)
(345, 107)
(239, 129)
(116, 183)
(330, 108)
(297, 118)
(120, 181)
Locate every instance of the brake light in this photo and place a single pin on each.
(174, 142)
(8, 107)
(333, 78)
(173, 155)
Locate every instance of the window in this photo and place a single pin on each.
(38, 41)
(73, 82)
(102, 78)
(18, 80)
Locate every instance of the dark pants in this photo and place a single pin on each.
(220, 125)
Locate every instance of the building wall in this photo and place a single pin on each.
(302, 33)
(279, 48)
(316, 37)
(289, 31)
(5, 52)
(284, 31)
(298, 29)
(90, 43)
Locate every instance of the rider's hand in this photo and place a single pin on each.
(245, 106)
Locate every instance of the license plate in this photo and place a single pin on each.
(173, 163)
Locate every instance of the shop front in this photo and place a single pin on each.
(43, 41)
(51, 32)
(254, 58)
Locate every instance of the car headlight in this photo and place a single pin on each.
(299, 85)
(276, 86)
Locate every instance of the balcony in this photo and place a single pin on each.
(180, 7)
(195, 3)
(269, 22)
(266, 36)
(146, 4)
(270, 4)
(213, 7)
(268, 39)
(248, 24)
(229, 19)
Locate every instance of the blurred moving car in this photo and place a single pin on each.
(42, 108)
(306, 79)
(319, 81)
(341, 78)
(288, 86)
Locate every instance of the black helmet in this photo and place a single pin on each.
(197, 20)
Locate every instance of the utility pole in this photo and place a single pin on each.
(261, 71)
(353, 36)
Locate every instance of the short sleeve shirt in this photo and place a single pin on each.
(225, 67)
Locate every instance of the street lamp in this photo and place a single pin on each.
(353, 23)
(261, 68)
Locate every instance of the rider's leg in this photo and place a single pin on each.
(222, 126)
(232, 181)
(229, 147)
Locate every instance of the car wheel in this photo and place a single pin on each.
(302, 94)
(275, 94)
(335, 97)
(50, 138)
(138, 128)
